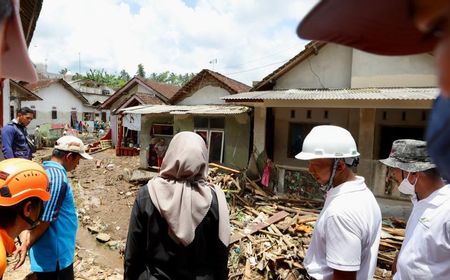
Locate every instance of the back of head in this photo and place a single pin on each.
(186, 158)
(328, 141)
(21, 179)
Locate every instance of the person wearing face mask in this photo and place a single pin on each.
(425, 252)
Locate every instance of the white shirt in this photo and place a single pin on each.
(425, 252)
(347, 234)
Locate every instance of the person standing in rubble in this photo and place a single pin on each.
(346, 236)
(52, 243)
(425, 252)
(179, 226)
(23, 188)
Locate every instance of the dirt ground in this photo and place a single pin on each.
(104, 201)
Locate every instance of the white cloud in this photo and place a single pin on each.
(169, 35)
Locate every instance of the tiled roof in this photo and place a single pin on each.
(231, 85)
(338, 94)
(188, 109)
(34, 87)
(44, 83)
(165, 89)
(149, 99)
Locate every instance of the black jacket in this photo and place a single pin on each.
(151, 254)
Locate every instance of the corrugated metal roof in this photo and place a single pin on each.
(338, 94)
(187, 109)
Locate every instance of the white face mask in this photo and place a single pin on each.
(407, 188)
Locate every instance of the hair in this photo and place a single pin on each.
(59, 153)
(10, 213)
(6, 10)
(24, 111)
(432, 173)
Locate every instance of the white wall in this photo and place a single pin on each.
(370, 70)
(206, 95)
(55, 96)
(330, 68)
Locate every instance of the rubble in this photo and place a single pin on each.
(270, 234)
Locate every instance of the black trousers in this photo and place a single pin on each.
(65, 274)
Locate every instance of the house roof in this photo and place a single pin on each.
(29, 13)
(22, 93)
(164, 91)
(195, 84)
(268, 82)
(394, 98)
(45, 83)
(188, 109)
(338, 94)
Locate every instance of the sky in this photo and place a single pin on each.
(242, 39)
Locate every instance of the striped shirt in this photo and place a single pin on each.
(57, 245)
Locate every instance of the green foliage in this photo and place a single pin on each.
(101, 77)
(140, 71)
(63, 71)
(171, 78)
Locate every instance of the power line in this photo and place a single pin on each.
(256, 68)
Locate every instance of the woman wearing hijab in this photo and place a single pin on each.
(179, 226)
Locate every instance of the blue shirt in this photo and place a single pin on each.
(57, 244)
(14, 141)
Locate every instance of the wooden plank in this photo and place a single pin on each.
(255, 228)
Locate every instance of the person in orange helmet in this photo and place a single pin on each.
(23, 189)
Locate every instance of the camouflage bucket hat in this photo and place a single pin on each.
(409, 155)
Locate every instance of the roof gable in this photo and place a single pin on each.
(268, 82)
(41, 84)
(163, 92)
(208, 77)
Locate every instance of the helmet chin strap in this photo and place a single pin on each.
(32, 223)
(329, 185)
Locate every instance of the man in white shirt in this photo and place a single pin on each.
(346, 236)
(425, 252)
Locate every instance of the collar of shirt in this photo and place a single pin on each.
(7, 241)
(437, 197)
(54, 164)
(347, 187)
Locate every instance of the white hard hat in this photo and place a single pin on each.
(328, 141)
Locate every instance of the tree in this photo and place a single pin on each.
(63, 71)
(124, 75)
(140, 71)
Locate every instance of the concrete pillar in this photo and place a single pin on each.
(365, 144)
(259, 129)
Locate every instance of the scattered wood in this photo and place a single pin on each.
(271, 234)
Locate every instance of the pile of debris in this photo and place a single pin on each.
(270, 234)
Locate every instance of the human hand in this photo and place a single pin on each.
(21, 251)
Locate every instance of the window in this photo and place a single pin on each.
(161, 130)
(212, 131)
(297, 133)
(54, 113)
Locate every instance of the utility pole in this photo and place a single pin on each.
(79, 63)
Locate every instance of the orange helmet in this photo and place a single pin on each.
(21, 179)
